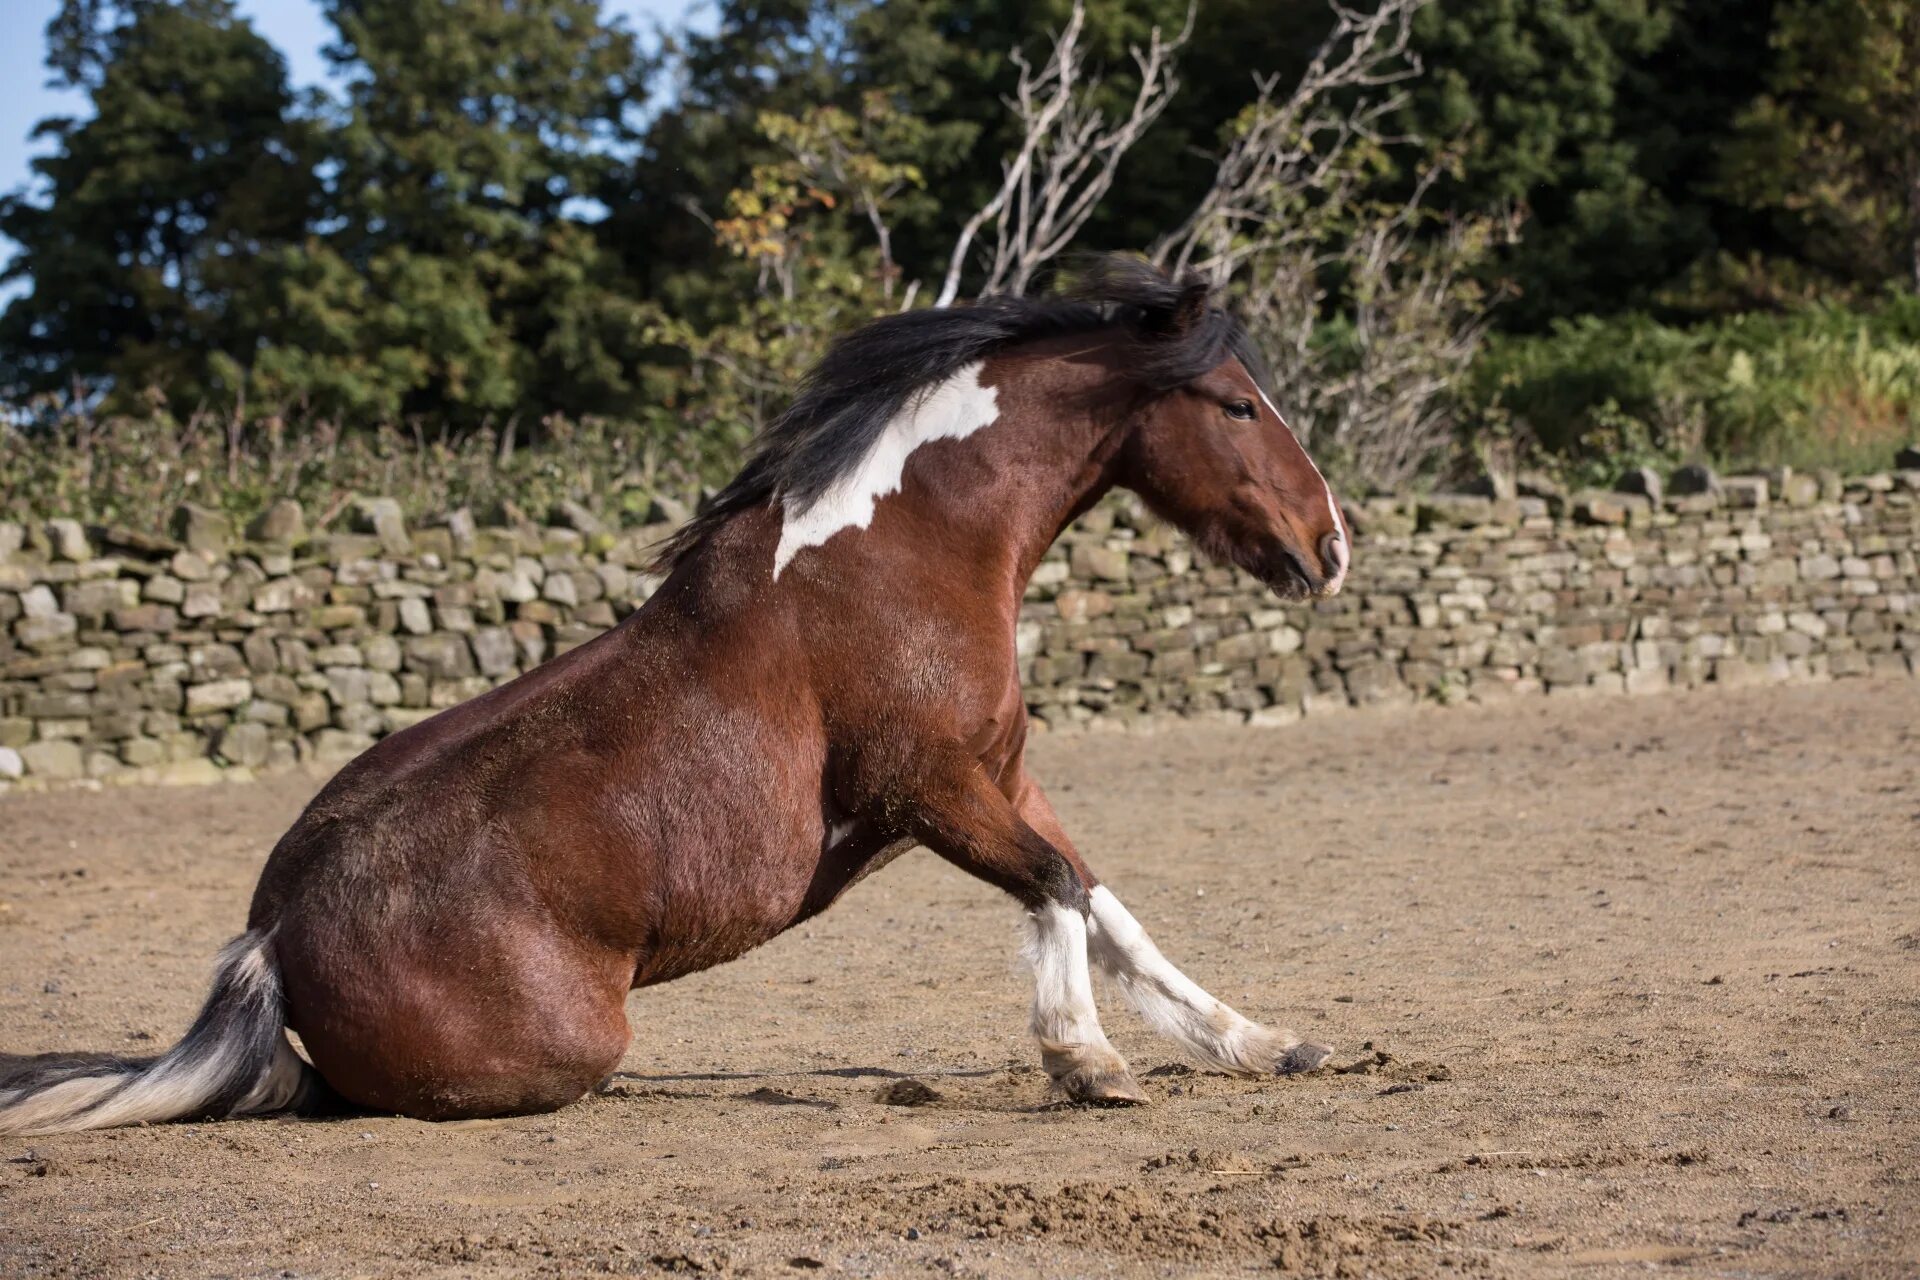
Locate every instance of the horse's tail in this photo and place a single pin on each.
(234, 1061)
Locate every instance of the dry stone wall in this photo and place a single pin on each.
(131, 656)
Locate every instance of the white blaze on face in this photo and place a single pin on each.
(952, 410)
(1333, 584)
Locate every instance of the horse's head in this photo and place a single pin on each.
(1208, 450)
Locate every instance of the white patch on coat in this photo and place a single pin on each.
(1172, 1003)
(951, 410)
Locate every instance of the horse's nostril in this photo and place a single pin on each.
(1333, 557)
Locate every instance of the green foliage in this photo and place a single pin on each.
(419, 249)
(143, 262)
(1602, 121)
(1830, 153)
(491, 231)
(470, 128)
(1820, 386)
(800, 222)
(134, 469)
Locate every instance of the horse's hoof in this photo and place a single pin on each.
(1102, 1089)
(1303, 1057)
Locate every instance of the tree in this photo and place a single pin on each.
(1071, 148)
(158, 208)
(1604, 123)
(1536, 92)
(1831, 151)
(460, 275)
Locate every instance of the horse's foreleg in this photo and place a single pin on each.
(978, 829)
(1172, 1003)
(1179, 1008)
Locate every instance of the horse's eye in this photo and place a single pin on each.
(1241, 409)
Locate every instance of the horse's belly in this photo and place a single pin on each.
(724, 917)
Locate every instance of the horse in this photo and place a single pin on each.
(825, 679)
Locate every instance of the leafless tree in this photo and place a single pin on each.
(1294, 204)
(1418, 316)
(1069, 151)
(1289, 150)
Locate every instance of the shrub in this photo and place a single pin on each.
(1824, 386)
(134, 469)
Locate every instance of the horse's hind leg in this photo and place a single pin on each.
(1172, 1003)
(978, 830)
(505, 1020)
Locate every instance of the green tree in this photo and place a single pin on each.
(1602, 122)
(158, 209)
(1830, 153)
(462, 275)
(947, 65)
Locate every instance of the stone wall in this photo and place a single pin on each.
(131, 656)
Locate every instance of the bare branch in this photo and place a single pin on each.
(1068, 155)
(1296, 149)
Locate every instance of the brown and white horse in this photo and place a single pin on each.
(826, 678)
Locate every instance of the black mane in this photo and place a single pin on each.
(1177, 334)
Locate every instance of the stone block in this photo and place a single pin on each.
(1080, 606)
(1455, 511)
(38, 601)
(1797, 489)
(1746, 493)
(336, 617)
(494, 651)
(203, 600)
(336, 746)
(1099, 563)
(93, 601)
(440, 656)
(246, 743)
(56, 760)
(218, 695)
(67, 539)
(560, 589)
(415, 617)
(1644, 481)
(283, 523)
(46, 635)
(382, 518)
(1693, 479)
(202, 529)
(283, 595)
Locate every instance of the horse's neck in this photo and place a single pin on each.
(1041, 455)
(994, 461)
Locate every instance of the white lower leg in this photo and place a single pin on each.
(1072, 1046)
(1177, 1007)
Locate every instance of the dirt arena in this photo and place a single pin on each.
(1616, 985)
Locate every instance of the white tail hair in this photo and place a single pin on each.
(234, 1061)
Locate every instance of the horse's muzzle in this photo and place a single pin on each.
(1334, 559)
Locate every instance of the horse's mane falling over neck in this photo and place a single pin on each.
(1174, 331)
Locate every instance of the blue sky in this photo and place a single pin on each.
(294, 26)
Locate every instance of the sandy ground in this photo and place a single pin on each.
(1619, 985)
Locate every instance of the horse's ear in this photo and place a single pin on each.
(1189, 309)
